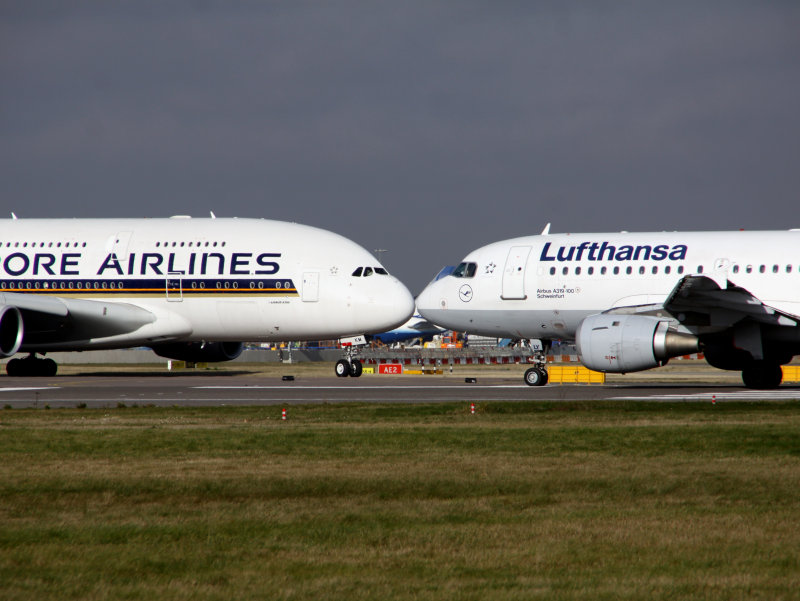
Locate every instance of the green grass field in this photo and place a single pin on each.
(520, 501)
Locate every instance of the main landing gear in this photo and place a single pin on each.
(31, 366)
(762, 375)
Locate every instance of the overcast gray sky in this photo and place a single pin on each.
(423, 128)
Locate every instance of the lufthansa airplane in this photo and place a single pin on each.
(631, 301)
(191, 289)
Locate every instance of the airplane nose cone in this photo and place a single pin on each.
(428, 301)
(433, 305)
(403, 305)
(382, 306)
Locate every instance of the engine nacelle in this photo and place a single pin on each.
(199, 351)
(11, 331)
(625, 343)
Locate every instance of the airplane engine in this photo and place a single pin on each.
(11, 330)
(199, 351)
(626, 343)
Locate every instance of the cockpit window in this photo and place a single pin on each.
(444, 272)
(368, 271)
(465, 270)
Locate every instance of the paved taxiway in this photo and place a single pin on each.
(201, 389)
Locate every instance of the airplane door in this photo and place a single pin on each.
(514, 273)
(174, 287)
(310, 293)
(117, 245)
(721, 267)
(120, 246)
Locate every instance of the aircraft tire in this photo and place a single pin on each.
(356, 369)
(31, 368)
(762, 375)
(48, 368)
(545, 376)
(342, 368)
(14, 368)
(535, 377)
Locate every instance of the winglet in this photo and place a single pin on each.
(12, 215)
(546, 230)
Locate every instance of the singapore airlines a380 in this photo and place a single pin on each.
(192, 289)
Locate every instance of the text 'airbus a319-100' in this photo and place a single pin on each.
(190, 289)
(631, 301)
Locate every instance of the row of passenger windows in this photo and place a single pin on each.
(667, 269)
(235, 285)
(468, 270)
(60, 285)
(189, 244)
(43, 244)
(763, 269)
(616, 270)
(368, 271)
(105, 285)
(83, 244)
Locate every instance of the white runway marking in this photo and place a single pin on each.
(292, 387)
(21, 389)
(740, 395)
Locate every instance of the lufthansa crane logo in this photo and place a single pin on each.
(465, 293)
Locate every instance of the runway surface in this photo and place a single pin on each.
(201, 389)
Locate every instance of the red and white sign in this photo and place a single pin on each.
(390, 368)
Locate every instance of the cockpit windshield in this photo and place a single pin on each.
(446, 271)
(368, 271)
(465, 270)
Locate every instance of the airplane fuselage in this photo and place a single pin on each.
(199, 279)
(544, 286)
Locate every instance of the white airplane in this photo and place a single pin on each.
(190, 289)
(631, 301)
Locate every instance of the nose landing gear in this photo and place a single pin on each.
(537, 375)
(350, 366)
